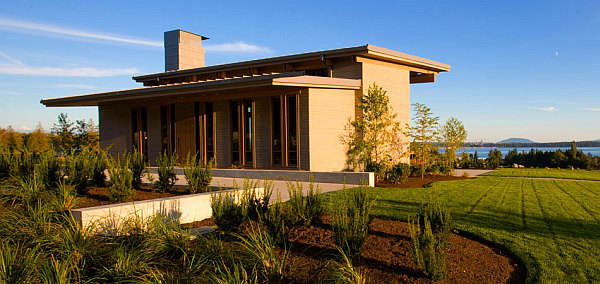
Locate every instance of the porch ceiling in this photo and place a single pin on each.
(238, 84)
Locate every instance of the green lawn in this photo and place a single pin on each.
(552, 225)
(549, 173)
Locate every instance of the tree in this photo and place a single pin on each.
(65, 138)
(86, 134)
(423, 133)
(453, 136)
(376, 137)
(38, 141)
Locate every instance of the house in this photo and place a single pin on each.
(284, 112)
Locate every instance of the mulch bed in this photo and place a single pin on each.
(416, 182)
(385, 257)
(98, 196)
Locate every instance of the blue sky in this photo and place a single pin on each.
(519, 68)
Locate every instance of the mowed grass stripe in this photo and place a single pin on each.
(547, 173)
(576, 196)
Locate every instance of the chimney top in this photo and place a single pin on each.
(183, 50)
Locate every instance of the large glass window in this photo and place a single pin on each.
(139, 127)
(242, 146)
(284, 125)
(209, 133)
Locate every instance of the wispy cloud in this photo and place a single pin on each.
(24, 26)
(73, 86)
(9, 93)
(13, 66)
(550, 108)
(239, 46)
(65, 72)
(592, 108)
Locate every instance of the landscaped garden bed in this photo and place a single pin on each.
(98, 196)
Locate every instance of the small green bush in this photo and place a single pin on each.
(5, 161)
(399, 173)
(350, 220)
(121, 178)
(137, 165)
(198, 177)
(227, 214)
(100, 165)
(427, 250)
(79, 170)
(439, 219)
(445, 170)
(256, 205)
(166, 171)
(309, 208)
(277, 221)
(47, 168)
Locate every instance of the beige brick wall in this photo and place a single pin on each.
(223, 133)
(262, 132)
(329, 111)
(154, 147)
(115, 128)
(395, 80)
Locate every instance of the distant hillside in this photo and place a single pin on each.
(516, 140)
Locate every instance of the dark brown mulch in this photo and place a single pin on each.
(98, 196)
(416, 182)
(385, 257)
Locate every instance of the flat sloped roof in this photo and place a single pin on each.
(294, 79)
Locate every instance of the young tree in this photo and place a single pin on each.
(65, 138)
(423, 133)
(453, 136)
(86, 134)
(376, 137)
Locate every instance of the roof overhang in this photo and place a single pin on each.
(368, 50)
(290, 79)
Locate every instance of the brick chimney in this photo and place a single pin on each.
(183, 50)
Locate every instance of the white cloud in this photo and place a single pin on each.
(592, 108)
(65, 72)
(73, 86)
(16, 67)
(550, 108)
(24, 26)
(239, 46)
(10, 93)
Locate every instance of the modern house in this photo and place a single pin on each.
(284, 112)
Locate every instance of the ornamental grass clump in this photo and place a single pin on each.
(258, 247)
(100, 166)
(166, 172)
(198, 177)
(121, 178)
(430, 235)
(350, 220)
(79, 169)
(63, 197)
(137, 165)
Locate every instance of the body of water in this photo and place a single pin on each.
(483, 152)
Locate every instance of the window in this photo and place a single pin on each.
(284, 125)
(139, 127)
(242, 143)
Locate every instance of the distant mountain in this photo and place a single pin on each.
(517, 140)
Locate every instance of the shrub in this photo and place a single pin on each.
(427, 250)
(120, 179)
(137, 165)
(308, 209)
(256, 205)
(79, 170)
(166, 171)
(100, 165)
(350, 220)
(277, 221)
(439, 219)
(198, 178)
(5, 162)
(227, 214)
(47, 168)
(445, 170)
(399, 173)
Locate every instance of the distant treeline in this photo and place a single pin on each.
(533, 145)
(570, 158)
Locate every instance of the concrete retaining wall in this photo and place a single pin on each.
(350, 178)
(183, 209)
